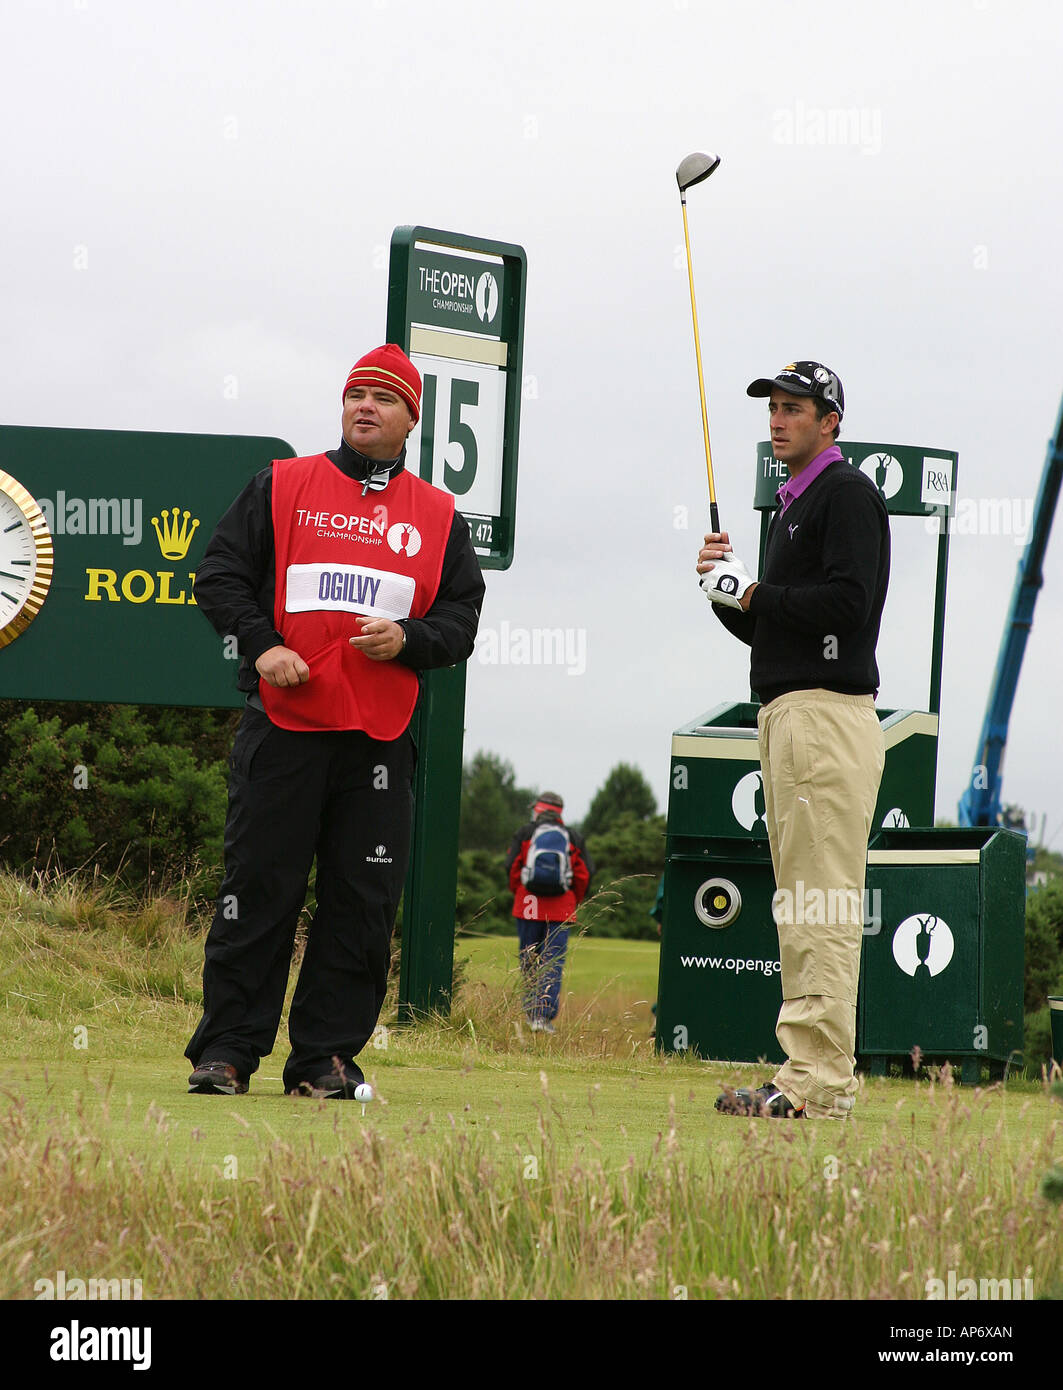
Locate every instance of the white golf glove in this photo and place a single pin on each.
(726, 582)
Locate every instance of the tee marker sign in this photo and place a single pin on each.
(456, 304)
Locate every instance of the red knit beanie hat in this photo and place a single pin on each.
(388, 366)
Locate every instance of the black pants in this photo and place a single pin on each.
(347, 799)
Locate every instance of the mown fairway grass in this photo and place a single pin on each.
(497, 1163)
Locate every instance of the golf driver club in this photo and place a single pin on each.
(694, 169)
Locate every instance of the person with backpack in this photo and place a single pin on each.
(549, 873)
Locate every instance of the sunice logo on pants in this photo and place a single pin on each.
(380, 857)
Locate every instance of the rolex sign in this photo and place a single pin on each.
(117, 523)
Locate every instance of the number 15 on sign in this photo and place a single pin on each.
(457, 445)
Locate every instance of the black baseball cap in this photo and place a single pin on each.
(804, 379)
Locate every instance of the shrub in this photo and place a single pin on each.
(134, 790)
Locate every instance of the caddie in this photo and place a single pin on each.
(812, 623)
(342, 576)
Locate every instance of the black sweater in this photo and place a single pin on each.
(814, 618)
(235, 582)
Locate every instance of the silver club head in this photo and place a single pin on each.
(694, 169)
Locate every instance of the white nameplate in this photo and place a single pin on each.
(349, 589)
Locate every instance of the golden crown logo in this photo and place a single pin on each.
(174, 539)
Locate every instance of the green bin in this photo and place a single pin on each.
(719, 991)
(719, 983)
(944, 970)
(714, 786)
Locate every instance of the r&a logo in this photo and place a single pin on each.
(404, 539)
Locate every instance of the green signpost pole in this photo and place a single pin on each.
(938, 644)
(426, 969)
(456, 305)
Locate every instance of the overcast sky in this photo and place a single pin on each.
(201, 195)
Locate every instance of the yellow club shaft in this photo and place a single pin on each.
(701, 375)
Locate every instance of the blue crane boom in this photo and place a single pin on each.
(980, 803)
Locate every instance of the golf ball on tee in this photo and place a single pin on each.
(363, 1092)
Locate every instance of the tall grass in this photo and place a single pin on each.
(82, 944)
(597, 1186)
(768, 1220)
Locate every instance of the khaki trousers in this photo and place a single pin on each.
(822, 756)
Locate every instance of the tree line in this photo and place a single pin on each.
(139, 792)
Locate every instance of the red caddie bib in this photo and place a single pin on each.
(340, 555)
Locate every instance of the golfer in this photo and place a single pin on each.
(812, 622)
(342, 576)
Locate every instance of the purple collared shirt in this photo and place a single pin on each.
(793, 487)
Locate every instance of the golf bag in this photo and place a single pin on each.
(547, 867)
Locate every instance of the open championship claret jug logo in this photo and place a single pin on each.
(747, 801)
(885, 472)
(923, 945)
(404, 538)
(486, 297)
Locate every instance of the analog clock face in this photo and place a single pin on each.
(25, 559)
